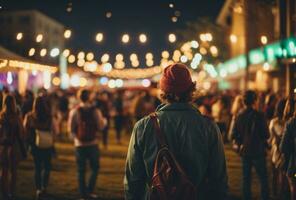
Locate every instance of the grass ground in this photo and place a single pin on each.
(63, 183)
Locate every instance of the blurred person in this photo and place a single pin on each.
(101, 103)
(27, 102)
(269, 108)
(276, 129)
(62, 114)
(193, 140)
(11, 145)
(119, 115)
(288, 145)
(250, 133)
(39, 126)
(237, 107)
(220, 113)
(144, 105)
(84, 123)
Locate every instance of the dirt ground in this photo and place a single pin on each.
(63, 182)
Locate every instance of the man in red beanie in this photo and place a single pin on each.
(194, 140)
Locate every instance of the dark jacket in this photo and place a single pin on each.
(194, 140)
(288, 145)
(251, 131)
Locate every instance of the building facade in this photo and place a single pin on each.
(254, 26)
(30, 29)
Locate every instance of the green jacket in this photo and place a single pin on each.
(194, 140)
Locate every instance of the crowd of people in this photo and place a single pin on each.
(259, 126)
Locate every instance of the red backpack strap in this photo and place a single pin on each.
(159, 135)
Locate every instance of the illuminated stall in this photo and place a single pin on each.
(20, 73)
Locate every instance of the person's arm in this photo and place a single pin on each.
(235, 135)
(102, 122)
(72, 122)
(217, 181)
(135, 175)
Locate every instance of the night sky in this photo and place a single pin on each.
(152, 17)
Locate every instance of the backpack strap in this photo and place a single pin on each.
(159, 135)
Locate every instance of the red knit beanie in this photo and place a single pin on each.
(176, 79)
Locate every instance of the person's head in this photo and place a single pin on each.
(84, 95)
(250, 98)
(9, 104)
(176, 84)
(289, 110)
(279, 109)
(40, 108)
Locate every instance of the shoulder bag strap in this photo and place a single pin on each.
(159, 135)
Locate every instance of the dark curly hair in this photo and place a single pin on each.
(184, 97)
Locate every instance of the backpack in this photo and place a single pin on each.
(169, 181)
(87, 125)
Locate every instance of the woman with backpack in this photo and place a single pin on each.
(40, 130)
(288, 146)
(11, 143)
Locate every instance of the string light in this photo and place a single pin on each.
(172, 38)
(143, 38)
(203, 51)
(19, 36)
(91, 66)
(81, 55)
(67, 34)
(184, 59)
(149, 63)
(66, 53)
(109, 14)
(54, 52)
(171, 5)
(119, 57)
(27, 66)
(125, 38)
(133, 57)
(80, 62)
(214, 51)
(209, 37)
(149, 56)
(71, 59)
(105, 58)
(194, 44)
(56, 81)
(99, 37)
(31, 52)
(39, 38)
(264, 39)
(135, 63)
(165, 54)
(174, 19)
(90, 56)
(43, 52)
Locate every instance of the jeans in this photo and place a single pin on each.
(83, 155)
(260, 166)
(42, 161)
